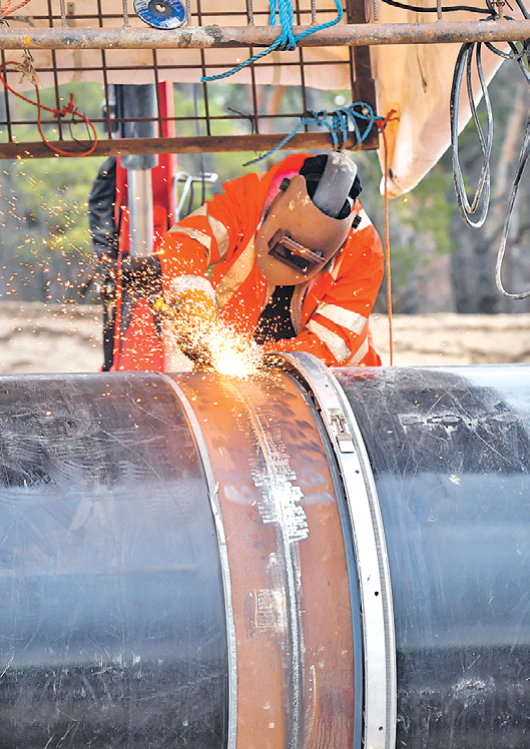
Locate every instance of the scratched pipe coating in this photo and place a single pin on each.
(184, 559)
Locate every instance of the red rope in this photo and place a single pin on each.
(7, 10)
(56, 113)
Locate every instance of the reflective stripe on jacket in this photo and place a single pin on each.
(329, 313)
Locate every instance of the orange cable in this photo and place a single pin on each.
(6, 10)
(387, 256)
(381, 124)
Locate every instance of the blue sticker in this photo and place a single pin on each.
(161, 14)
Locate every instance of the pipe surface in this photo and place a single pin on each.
(450, 454)
(306, 559)
(204, 37)
(113, 622)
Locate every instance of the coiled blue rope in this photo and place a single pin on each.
(283, 10)
(337, 122)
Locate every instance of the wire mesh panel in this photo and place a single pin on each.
(409, 48)
(271, 94)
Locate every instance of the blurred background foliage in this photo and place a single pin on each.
(438, 264)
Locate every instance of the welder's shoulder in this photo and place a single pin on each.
(242, 188)
(363, 252)
(239, 202)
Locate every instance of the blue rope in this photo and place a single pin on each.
(339, 124)
(283, 10)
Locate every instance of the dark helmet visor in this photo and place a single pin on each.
(292, 253)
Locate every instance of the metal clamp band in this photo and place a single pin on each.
(380, 679)
(225, 569)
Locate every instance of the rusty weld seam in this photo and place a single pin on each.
(289, 539)
(380, 677)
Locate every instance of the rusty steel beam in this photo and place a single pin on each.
(439, 32)
(204, 144)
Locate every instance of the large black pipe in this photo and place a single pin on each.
(449, 449)
(112, 629)
(129, 618)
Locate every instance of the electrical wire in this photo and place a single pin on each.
(474, 213)
(523, 160)
(483, 191)
(480, 203)
(445, 9)
(522, 8)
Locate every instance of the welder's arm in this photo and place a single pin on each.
(189, 305)
(211, 234)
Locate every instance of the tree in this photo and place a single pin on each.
(43, 213)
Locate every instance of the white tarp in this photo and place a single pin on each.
(416, 80)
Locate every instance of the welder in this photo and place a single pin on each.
(288, 259)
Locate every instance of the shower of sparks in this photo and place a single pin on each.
(47, 251)
(210, 343)
(231, 353)
(46, 243)
(221, 349)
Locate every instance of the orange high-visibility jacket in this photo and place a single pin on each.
(329, 313)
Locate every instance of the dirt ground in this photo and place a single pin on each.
(37, 338)
(448, 339)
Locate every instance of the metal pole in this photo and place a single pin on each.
(439, 32)
(202, 144)
(140, 194)
(139, 102)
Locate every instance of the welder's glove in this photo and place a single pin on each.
(193, 314)
(142, 277)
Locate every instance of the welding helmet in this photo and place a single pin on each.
(309, 219)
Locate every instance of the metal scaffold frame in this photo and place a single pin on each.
(352, 35)
(61, 30)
